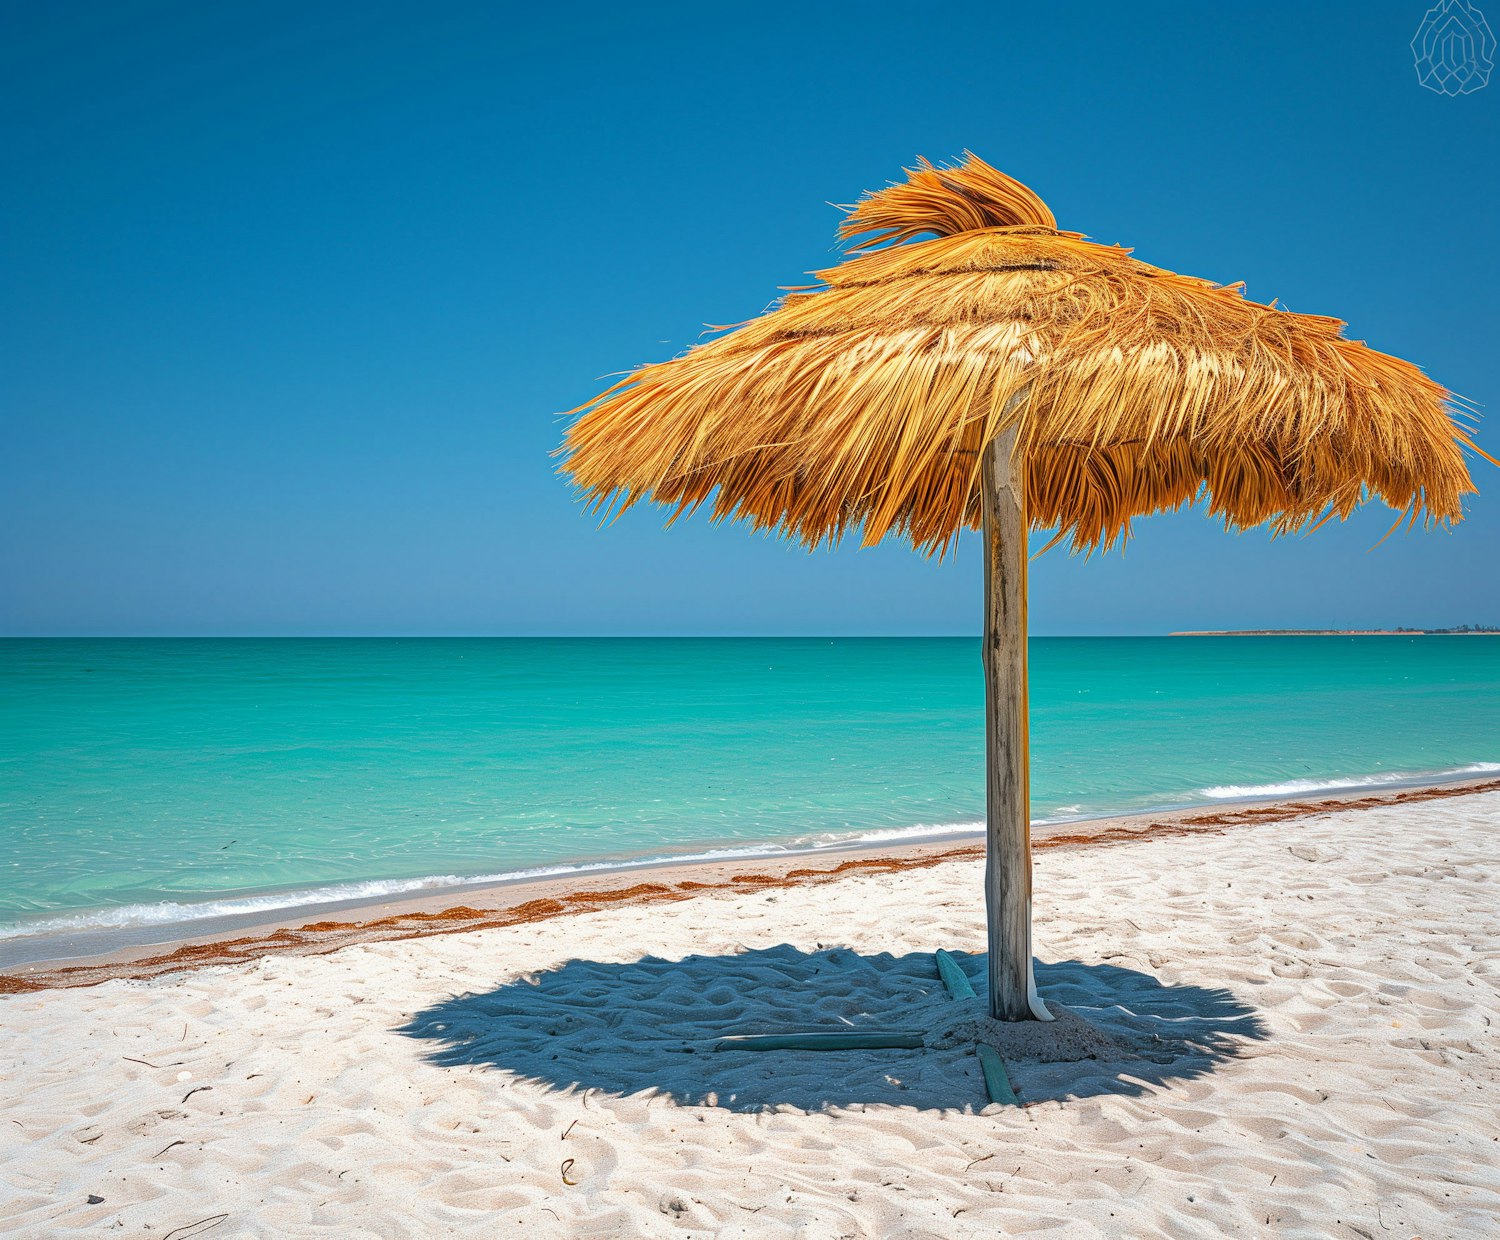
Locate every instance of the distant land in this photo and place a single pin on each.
(1464, 630)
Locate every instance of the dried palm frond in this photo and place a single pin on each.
(865, 402)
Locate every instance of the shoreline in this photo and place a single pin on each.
(56, 944)
(303, 930)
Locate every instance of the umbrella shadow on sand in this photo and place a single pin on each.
(649, 1026)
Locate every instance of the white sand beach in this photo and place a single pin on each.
(1298, 1018)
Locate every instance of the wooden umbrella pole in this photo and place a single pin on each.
(1007, 874)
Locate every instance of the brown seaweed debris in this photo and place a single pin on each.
(322, 937)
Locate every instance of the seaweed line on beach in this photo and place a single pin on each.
(322, 937)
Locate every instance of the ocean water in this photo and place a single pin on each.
(150, 781)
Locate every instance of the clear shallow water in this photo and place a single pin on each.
(150, 780)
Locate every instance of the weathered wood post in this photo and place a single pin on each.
(1007, 874)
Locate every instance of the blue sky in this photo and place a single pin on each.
(294, 293)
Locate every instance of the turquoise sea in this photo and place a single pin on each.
(149, 781)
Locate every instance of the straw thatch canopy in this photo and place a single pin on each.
(866, 400)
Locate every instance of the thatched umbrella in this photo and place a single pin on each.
(1005, 375)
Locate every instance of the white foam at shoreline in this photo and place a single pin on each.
(169, 912)
(887, 835)
(1293, 787)
(166, 912)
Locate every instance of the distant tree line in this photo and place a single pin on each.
(1458, 628)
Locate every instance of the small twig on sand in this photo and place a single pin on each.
(162, 1151)
(141, 1061)
(566, 1131)
(986, 1158)
(191, 1092)
(195, 1229)
(566, 1167)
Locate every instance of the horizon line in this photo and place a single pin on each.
(1473, 630)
